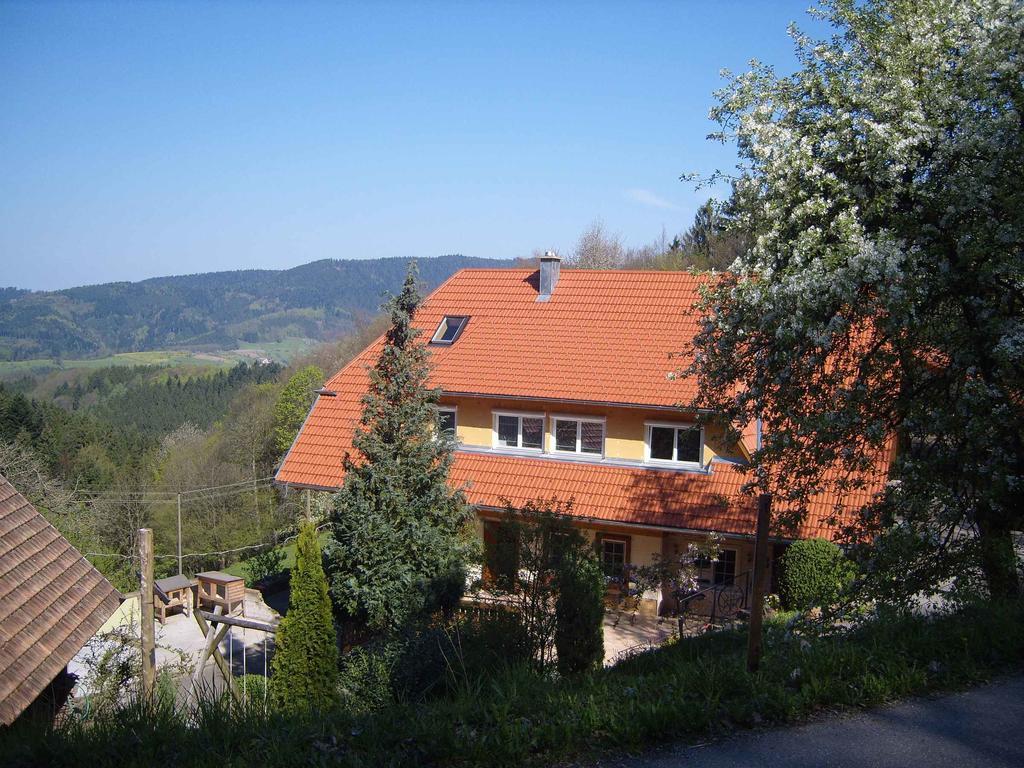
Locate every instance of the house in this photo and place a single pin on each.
(557, 383)
(52, 602)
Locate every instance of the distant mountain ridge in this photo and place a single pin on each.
(213, 310)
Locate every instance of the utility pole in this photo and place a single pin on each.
(180, 572)
(146, 602)
(754, 639)
(309, 506)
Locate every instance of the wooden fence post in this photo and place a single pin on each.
(146, 603)
(754, 639)
(180, 571)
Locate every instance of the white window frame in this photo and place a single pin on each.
(520, 415)
(443, 326)
(557, 417)
(676, 425)
(624, 541)
(454, 410)
(711, 568)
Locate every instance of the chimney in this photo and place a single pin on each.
(550, 266)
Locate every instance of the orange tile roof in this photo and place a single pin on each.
(605, 336)
(639, 496)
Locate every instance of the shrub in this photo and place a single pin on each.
(306, 657)
(535, 541)
(432, 661)
(579, 615)
(813, 572)
(263, 565)
(255, 690)
(365, 676)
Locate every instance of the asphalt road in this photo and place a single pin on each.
(981, 727)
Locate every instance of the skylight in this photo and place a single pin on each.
(449, 329)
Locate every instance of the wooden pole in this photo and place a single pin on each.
(754, 640)
(213, 653)
(179, 535)
(214, 618)
(146, 601)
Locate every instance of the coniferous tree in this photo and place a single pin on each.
(306, 657)
(397, 524)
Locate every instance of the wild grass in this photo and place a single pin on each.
(693, 689)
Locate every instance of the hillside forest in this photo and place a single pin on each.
(319, 301)
(105, 451)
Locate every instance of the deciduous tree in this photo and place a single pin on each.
(293, 405)
(883, 292)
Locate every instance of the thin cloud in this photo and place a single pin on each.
(651, 200)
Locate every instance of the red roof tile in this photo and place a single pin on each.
(597, 326)
(605, 336)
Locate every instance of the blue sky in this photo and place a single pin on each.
(148, 139)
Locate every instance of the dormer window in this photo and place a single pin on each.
(449, 329)
(674, 444)
(579, 435)
(446, 420)
(524, 431)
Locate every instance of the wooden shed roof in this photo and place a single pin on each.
(218, 577)
(52, 601)
(174, 582)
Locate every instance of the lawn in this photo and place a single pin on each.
(240, 568)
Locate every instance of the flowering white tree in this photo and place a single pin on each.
(883, 187)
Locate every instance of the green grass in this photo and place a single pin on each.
(279, 351)
(163, 358)
(240, 568)
(282, 351)
(691, 690)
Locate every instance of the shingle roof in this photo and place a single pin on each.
(605, 336)
(52, 600)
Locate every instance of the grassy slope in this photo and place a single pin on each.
(279, 351)
(692, 690)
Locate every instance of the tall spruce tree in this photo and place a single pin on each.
(306, 657)
(397, 524)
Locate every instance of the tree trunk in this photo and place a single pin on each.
(998, 557)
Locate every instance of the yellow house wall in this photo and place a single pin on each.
(624, 427)
(126, 614)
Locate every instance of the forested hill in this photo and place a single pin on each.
(216, 310)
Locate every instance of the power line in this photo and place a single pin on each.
(171, 495)
(205, 554)
(197, 495)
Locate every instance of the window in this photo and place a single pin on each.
(449, 329)
(579, 435)
(518, 430)
(501, 554)
(614, 556)
(722, 572)
(446, 421)
(679, 444)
